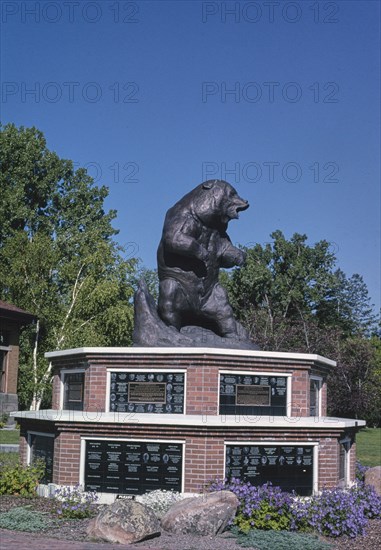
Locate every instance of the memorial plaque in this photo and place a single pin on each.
(288, 467)
(146, 392)
(126, 467)
(253, 395)
(157, 393)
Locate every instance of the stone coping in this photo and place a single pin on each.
(275, 355)
(9, 448)
(179, 420)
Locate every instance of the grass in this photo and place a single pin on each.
(9, 459)
(9, 436)
(369, 446)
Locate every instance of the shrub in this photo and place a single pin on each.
(264, 507)
(16, 479)
(23, 519)
(337, 512)
(279, 540)
(9, 459)
(3, 419)
(333, 513)
(360, 471)
(367, 497)
(160, 500)
(72, 503)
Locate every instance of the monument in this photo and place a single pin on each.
(193, 307)
(193, 399)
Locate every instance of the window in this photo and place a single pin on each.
(73, 391)
(4, 338)
(315, 392)
(4, 349)
(42, 447)
(3, 362)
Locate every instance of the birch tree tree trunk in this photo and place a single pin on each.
(35, 398)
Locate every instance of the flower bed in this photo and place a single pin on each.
(333, 513)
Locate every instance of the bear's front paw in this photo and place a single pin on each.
(204, 255)
(240, 257)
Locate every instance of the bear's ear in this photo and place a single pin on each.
(209, 184)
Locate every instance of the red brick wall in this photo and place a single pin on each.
(67, 450)
(95, 388)
(56, 390)
(204, 456)
(204, 461)
(204, 447)
(23, 450)
(328, 463)
(9, 382)
(202, 390)
(202, 377)
(300, 393)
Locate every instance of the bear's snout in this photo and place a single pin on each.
(242, 205)
(237, 205)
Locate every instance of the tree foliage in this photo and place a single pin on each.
(59, 260)
(291, 298)
(58, 257)
(355, 385)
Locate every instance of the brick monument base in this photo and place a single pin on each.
(131, 420)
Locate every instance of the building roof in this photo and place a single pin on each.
(10, 311)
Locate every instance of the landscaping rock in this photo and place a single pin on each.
(206, 515)
(373, 477)
(124, 521)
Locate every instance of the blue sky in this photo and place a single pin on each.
(279, 98)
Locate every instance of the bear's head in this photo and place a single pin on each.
(216, 202)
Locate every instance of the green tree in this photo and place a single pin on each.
(58, 257)
(288, 295)
(290, 298)
(279, 289)
(354, 386)
(347, 305)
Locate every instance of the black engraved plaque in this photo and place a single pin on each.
(133, 467)
(288, 467)
(147, 392)
(253, 395)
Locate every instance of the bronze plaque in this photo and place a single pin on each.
(146, 392)
(253, 395)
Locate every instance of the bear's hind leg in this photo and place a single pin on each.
(220, 311)
(172, 302)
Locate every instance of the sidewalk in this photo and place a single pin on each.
(12, 540)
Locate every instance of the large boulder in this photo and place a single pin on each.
(373, 477)
(206, 515)
(124, 521)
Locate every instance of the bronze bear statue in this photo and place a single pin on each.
(193, 308)
(193, 247)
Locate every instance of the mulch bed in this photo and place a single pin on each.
(75, 530)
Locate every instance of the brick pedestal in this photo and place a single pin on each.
(209, 443)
